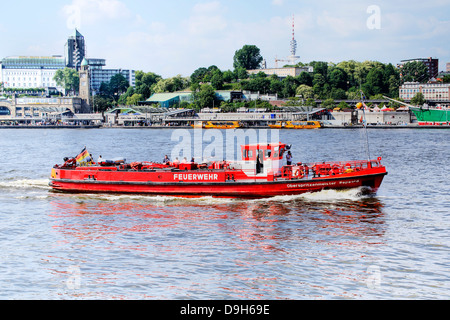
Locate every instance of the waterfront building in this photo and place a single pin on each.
(75, 50)
(169, 99)
(433, 92)
(99, 76)
(432, 65)
(283, 72)
(30, 72)
(25, 72)
(380, 117)
(37, 109)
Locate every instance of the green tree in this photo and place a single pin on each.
(350, 69)
(418, 99)
(228, 76)
(337, 78)
(148, 78)
(241, 73)
(105, 89)
(217, 79)
(393, 86)
(227, 106)
(67, 78)
(102, 103)
(328, 103)
(123, 98)
(118, 84)
(289, 87)
(363, 69)
(257, 83)
(198, 75)
(134, 99)
(173, 84)
(305, 91)
(144, 83)
(249, 57)
(276, 86)
(343, 105)
(320, 67)
(414, 71)
(204, 98)
(338, 94)
(319, 84)
(310, 102)
(305, 78)
(374, 82)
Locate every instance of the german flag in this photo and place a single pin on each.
(83, 157)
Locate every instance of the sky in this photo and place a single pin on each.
(174, 37)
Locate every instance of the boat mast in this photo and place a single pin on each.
(365, 125)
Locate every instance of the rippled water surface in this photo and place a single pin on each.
(328, 245)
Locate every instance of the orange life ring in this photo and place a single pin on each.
(299, 174)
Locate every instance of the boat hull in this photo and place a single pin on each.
(432, 116)
(297, 125)
(244, 189)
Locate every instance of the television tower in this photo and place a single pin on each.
(293, 58)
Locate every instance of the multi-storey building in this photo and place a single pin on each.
(30, 72)
(75, 50)
(38, 72)
(433, 92)
(98, 75)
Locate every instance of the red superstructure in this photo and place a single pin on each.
(259, 173)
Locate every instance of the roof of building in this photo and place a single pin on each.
(136, 109)
(159, 97)
(26, 62)
(76, 34)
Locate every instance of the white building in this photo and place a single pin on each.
(98, 75)
(30, 72)
(283, 72)
(434, 91)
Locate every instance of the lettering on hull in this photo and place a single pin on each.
(196, 177)
(323, 184)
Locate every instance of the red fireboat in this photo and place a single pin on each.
(260, 173)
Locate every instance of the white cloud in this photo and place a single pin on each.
(207, 7)
(206, 19)
(89, 12)
(208, 33)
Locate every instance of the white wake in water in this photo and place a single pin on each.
(25, 184)
(157, 200)
(324, 196)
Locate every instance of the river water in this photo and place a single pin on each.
(328, 245)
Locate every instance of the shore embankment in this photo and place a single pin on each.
(408, 126)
